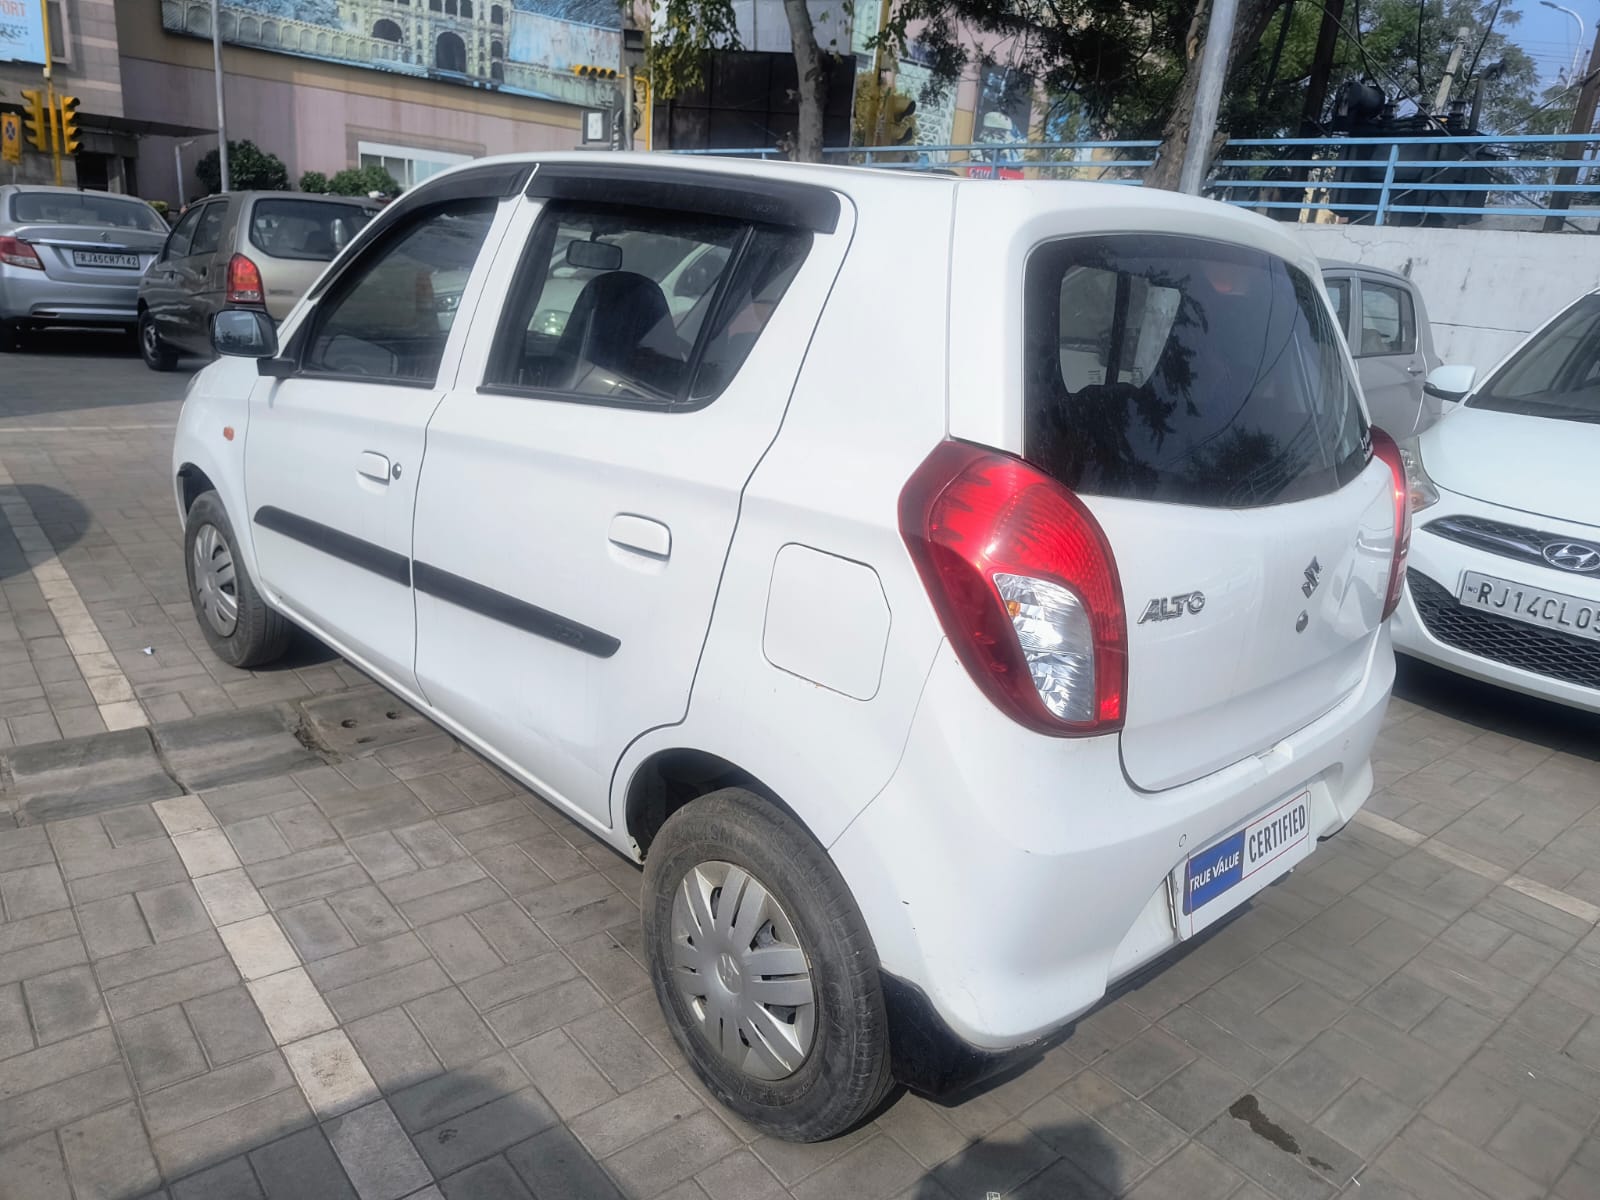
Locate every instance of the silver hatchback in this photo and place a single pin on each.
(258, 250)
(71, 258)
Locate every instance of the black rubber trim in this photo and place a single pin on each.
(494, 182)
(931, 1058)
(508, 610)
(648, 185)
(335, 542)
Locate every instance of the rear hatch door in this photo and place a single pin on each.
(1196, 394)
(292, 239)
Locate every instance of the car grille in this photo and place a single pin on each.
(1500, 537)
(1544, 652)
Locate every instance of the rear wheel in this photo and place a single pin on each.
(764, 968)
(237, 623)
(157, 355)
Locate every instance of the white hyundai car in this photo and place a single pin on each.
(1504, 576)
(949, 632)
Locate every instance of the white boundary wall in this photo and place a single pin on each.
(1485, 289)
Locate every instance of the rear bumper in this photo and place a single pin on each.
(1010, 878)
(31, 295)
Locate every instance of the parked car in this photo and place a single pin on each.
(258, 250)
(71, 258)
(1504, 577)
(1382, 316)
(943, 660)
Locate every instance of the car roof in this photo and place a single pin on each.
(876, 187)
(314, 197)
(1335, 264)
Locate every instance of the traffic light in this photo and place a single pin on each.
(69, 125)
(591, 71)
(36, 126)
(900, 122)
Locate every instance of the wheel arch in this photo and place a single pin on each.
(673, 778)
(192, 484)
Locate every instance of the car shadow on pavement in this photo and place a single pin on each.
(61, 516)
(1497, 709)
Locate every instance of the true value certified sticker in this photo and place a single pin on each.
(1266, 840)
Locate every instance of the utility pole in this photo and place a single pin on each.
(222, 111)
(1208, 95)
(1456, 51)
(1582, 122)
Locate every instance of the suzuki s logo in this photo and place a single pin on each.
(1572, 556)
(1167, 608)
(1313, 577)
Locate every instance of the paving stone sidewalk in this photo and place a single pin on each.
(401, 976)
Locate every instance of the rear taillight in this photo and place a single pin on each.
(15, 252)
(1025, 586)
(1384, 447)
(244, 281)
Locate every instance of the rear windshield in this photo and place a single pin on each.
(1557, 374)
(306, 229)
(1187, 371)
(84, 208)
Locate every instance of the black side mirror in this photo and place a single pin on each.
(244, 333)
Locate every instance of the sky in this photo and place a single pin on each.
(1551, 38)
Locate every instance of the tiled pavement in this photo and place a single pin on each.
(398, 975)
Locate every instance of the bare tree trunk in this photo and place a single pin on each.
(813, 84)
(1247, 31)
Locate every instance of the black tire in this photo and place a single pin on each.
(157, 355)
(846, 1072)
(259, 635)
(12, 337)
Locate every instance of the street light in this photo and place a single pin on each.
(1578, 48)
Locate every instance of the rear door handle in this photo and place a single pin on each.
(642, 535)
(374, 466)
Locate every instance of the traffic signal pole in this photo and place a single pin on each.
(52, 114)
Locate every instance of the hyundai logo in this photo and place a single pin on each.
(1572, 556)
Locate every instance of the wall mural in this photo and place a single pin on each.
(529, 47)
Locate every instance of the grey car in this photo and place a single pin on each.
(1382, 316)
(258, 250)
(71, 258)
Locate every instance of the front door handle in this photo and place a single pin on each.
(1413, 369)
(374, 466)
(642, 535)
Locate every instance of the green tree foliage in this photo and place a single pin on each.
(250, 169)
(363, 181)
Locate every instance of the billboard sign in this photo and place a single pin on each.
(21, 31)
(528, 47)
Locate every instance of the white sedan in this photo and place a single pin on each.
(1503, 582)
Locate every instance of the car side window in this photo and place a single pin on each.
(1388, 322)
(182, 235)
(389, 317)
(1339, 292)
(208, 233)
(640, 307)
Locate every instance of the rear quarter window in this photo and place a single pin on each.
(1187, 371)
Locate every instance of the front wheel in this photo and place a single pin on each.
(157, 355)
(764, 968)
(238, 625)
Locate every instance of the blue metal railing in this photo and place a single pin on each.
(1392, 180)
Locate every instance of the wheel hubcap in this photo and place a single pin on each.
(148, 332)
(216, 592)
(739, 967)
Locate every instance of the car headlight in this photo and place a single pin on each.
(1419, 487)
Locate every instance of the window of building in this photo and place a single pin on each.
(408, 166)
(60, 34)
